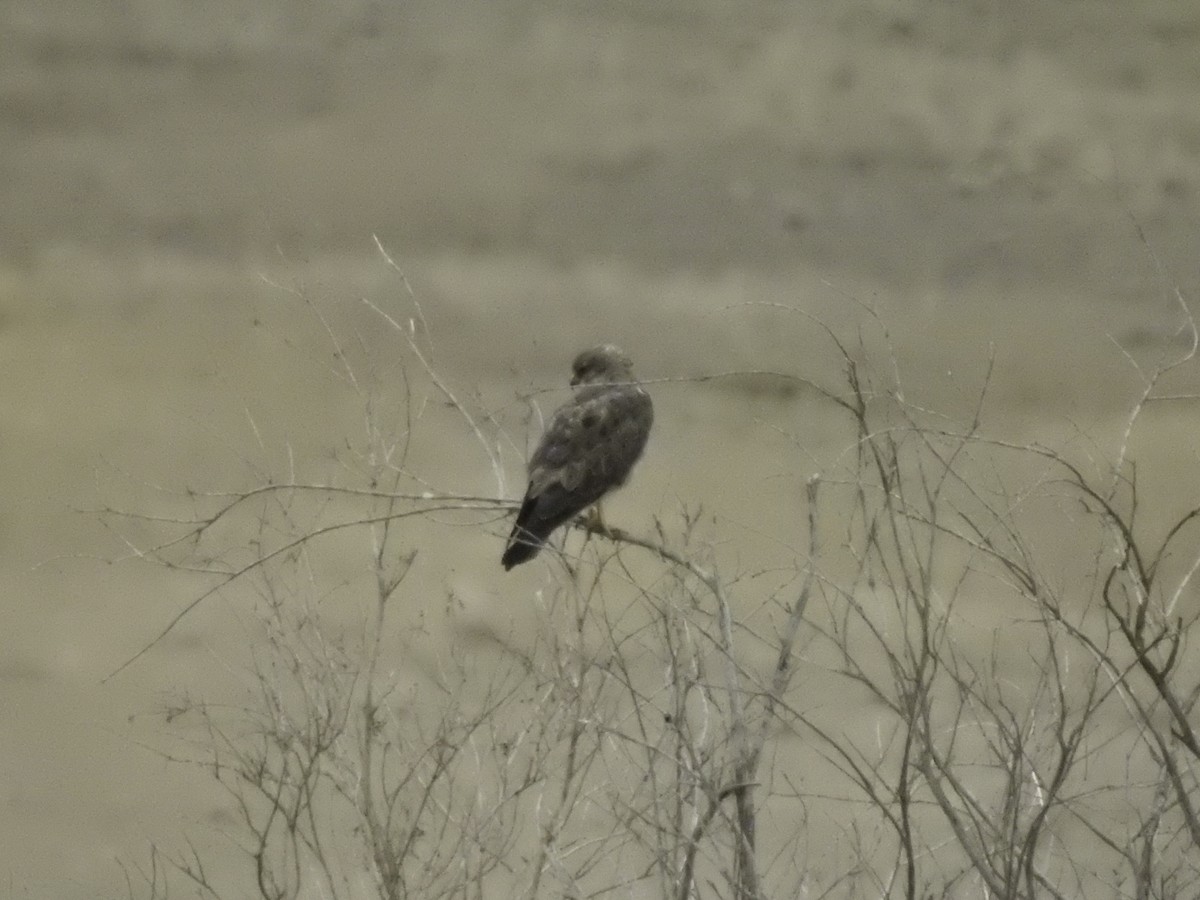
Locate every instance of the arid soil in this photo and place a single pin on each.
(1012, 181)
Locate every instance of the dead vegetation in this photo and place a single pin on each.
(674, 729)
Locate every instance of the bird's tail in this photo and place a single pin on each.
(527, 537)
(522, 547)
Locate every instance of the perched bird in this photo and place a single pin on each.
(589, 447)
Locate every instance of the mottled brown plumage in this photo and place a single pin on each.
(588, 449)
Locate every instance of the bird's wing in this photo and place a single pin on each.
(588, 449)
(591, 444)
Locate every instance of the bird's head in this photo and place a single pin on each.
(606, 363)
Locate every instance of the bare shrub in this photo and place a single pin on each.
(671, 730)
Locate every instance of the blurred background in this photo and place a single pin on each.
(1019, 179)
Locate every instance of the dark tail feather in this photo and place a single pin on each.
(521, 548)
(525, 541)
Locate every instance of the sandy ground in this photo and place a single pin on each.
(548, 175)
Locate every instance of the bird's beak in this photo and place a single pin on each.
(575, 381)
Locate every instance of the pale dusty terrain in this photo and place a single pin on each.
(549, 175)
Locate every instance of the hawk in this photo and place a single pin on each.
(588, 449)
